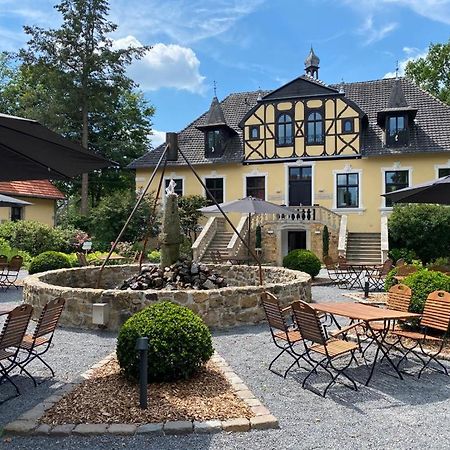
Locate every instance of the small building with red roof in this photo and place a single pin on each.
(42, 195)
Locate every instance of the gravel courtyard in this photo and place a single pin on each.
(388, 414)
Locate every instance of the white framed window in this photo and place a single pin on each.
(392, 179)
(216, 186)
(442, 170)
(255, 185)
(287, 172)
(179, 185)
(347, 190)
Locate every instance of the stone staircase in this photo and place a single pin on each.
(364, 248)
(219, 242)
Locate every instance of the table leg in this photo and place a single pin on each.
(379, 339)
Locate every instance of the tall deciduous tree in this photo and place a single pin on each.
(84, 75)
(432, 72)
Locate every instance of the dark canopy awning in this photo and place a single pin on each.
(30, 151)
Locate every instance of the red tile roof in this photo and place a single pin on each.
(31, 188)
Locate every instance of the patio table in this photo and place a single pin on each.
(358, 270)
(368, 314)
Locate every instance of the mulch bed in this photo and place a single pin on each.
(107, 397)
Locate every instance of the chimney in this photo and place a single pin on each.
(172, 142)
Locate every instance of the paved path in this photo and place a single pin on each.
(389, 414)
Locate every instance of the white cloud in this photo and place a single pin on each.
(438, 10)
(157, 138)
(411, 54)
(181, 21)
(165, 66)
(373, 33)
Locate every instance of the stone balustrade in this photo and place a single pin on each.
(237, 304)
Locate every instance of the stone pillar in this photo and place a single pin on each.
(170, 237)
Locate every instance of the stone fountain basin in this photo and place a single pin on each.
(237, 304)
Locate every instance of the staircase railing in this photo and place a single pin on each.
(342, 241)
(203, 240)
(384, 239)
(308, 214)
(235, 245)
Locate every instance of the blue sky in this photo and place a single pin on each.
(249, 44)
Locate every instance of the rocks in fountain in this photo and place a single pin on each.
(181, 275)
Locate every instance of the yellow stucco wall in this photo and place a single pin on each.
(42, 210)
(371, 174)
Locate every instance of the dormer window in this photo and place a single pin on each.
(397, 130)
(214, 143)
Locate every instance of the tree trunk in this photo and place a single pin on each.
(84, 176)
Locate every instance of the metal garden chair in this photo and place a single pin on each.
(10, 273)
(14, 329)
(434, 327)
(38, 343)
(328, 349)
(284, 335)
(377, 276)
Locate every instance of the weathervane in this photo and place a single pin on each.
(215, 88)
(396, 70)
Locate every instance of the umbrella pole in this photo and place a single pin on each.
(249, 231)
(136, 206)
(225, 216)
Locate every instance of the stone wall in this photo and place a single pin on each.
(240, 303)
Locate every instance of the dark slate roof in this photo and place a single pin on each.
(397, 96)
(191, 140)
(303, 86)
(430, 131)
(312, 59)
(215, 114)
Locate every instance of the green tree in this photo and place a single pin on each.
(88, 97)
(425, 229)
(432, 72)
(190, 215)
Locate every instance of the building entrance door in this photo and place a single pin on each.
(300, 186)
(296, 240)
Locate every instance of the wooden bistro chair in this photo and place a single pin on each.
(40, 341)
(434, 326)
(398, 299)
(339, 272)
(404, 271)
(284, 336)
(10, 274)
(14, 329)
(328, 349)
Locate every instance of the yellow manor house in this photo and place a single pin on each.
(326, 151)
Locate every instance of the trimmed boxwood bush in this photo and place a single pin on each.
(303, 260)
(179, 342)
(49, 261)
(422, 283)
(389, 280)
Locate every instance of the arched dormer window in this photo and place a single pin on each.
(314, 128)
(285, 135)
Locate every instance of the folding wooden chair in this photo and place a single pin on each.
(334, 273)
(10, 274)
(10, 338)
(40, 341)
(284, 336)
(329, 349)
(434, 327)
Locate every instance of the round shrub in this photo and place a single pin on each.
(422, 283)
(49, 261)
(179, 342)
(303, 260)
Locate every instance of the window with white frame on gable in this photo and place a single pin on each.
(178, 185)
(215, 188)
(347, 190)
(393, 181)
(256, 187)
